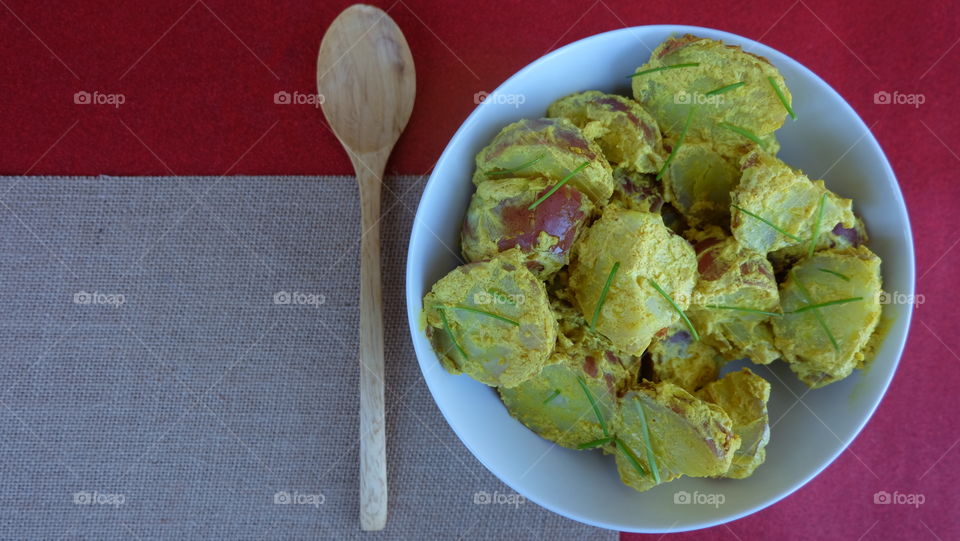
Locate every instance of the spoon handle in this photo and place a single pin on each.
(373, 448)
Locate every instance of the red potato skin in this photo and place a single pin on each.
(709, 268)
(532, 134)
(558, 215)
(561, 216)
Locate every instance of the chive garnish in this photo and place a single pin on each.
(828, 303)
(651, 459)
(743, 132)
(661, 68)
(630, 456)
(686, 320)
(843, 277)
(595, 443)
(764, 220)
(726, 88)
(683, 136)
(783, 99)
(515, 169)
(557, 186)
(816, 225)
(593, 404)
(603, 295)
(742, 309)
(488, 314)
(446, 327)
(554, 394)
(805, 293)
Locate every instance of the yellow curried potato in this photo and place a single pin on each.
(734, 284)
(772, 191)
(825, 344)
(698, 182)
(584, 370)
(644, 252)
(628, 135)
(681, 433)
(677, 358)
(670, 94)
(491, 320)
(552, 148)
(744, 396)
(499, 218)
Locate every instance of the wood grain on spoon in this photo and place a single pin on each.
(365, 73)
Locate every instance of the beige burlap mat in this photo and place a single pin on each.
(180, 361)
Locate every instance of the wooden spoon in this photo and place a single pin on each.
(366, 76)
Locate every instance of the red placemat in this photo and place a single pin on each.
(198, 78)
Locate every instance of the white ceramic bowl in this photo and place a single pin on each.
(827, 141)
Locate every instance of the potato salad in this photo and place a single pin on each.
(621, 250)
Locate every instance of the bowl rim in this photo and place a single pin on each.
(868, 139)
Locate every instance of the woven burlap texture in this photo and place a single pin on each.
(180, 361)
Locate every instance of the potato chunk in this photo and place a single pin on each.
(628, 135)
(644, 253)
(744, 396)
(681, 433)
(491, 321)
(558, 404)
(825, 344)
(552, 148)
(735, 285)
(669, 94)
(500, 218)
(772, 191)
(677, 358)
(698, 182)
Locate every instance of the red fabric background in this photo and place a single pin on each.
(199, 78)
